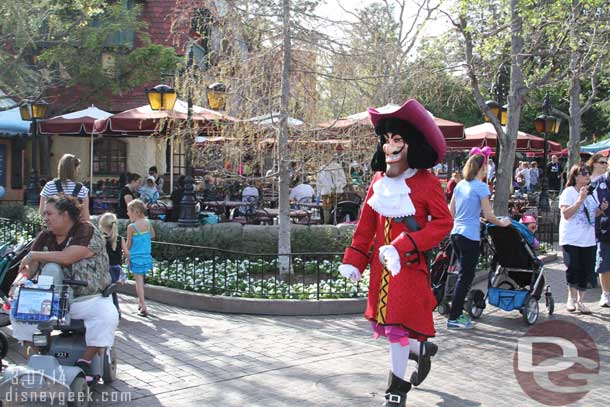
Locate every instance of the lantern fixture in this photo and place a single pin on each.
(501, 112)
(547, 124)
(161, 97)
(217, 95)
(33, 110)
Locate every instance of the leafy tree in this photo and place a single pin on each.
(50, 44)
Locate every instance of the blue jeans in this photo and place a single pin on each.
(467, 253)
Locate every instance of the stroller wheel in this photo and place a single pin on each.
(530, 310)
(550, 303)
(475, 304)
(442, 308)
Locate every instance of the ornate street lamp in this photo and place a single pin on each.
(500, 110)
(161, 97)
(217, 96)
(33, 110)
(545, 123)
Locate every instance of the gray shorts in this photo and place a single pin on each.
(602, 264)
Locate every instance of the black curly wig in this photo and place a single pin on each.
(420, 154)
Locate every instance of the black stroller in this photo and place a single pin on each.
(443, 275)
(516, 279)
(10, 256)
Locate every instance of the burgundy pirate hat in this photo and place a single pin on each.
(413, 112)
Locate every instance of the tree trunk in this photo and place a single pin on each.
(508, 140)
(575, 113)
(284, 248)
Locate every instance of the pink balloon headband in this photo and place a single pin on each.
(485, 152)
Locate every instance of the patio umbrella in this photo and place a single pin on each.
(79, 123)
(75, 123)
(595, 147)
(11, 123)
(143, 119)
(451, 130)
(485, 135)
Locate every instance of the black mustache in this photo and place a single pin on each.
(399, 151)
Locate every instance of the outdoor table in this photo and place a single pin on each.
(296, 214)
(309, 204)
(227, 205)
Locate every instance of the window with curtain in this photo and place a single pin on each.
(109, 157)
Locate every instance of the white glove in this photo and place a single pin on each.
(389, 257)
(349, 271)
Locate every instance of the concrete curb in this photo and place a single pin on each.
(253, 306)
(256, 306)
(482, 275)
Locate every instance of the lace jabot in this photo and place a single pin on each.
(391, 196)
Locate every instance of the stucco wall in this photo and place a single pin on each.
(142, 152)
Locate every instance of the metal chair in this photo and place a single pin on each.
(346, 211)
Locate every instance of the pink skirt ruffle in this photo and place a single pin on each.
(394, 333)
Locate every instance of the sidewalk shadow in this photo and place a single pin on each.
(449, 400)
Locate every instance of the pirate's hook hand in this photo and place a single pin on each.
(389, 257)
(349, 271)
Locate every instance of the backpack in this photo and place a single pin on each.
(60, 189)
(602, 223)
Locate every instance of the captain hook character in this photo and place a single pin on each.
(404, 215)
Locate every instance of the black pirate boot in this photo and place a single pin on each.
(396, 394)
(427, 350)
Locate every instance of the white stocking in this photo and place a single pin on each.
(414, 346)
(399, 356)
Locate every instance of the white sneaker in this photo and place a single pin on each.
(582, 308)
(570, 307)
(604, 301)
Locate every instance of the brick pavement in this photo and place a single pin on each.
(179, 357)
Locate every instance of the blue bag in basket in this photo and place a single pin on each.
(508, 300)
(35, 305)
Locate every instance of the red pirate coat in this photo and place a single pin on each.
(406, 299)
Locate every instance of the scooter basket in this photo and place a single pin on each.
(34, 305)
(508, 300)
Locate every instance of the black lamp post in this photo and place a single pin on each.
(33, 110)
(498, 108)
(545, 123)
(188, 204)
(163, 97)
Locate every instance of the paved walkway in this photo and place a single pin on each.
(180, 357)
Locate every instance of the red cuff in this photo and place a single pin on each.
(406, 248)
(356, 258)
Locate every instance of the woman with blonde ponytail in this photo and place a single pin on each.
(116, 248)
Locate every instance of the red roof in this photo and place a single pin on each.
(168, 25)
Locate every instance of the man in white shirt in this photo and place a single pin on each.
(491, 171)
(526, 175)
(249, 194)
(330, 182)
(301, 192)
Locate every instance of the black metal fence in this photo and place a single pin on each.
(255, 275)
(216, 271)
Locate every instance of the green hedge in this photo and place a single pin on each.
(243, 238)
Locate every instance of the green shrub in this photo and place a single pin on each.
(12, 211)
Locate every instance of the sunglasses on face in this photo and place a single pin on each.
(584, 173)
(602, 162)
